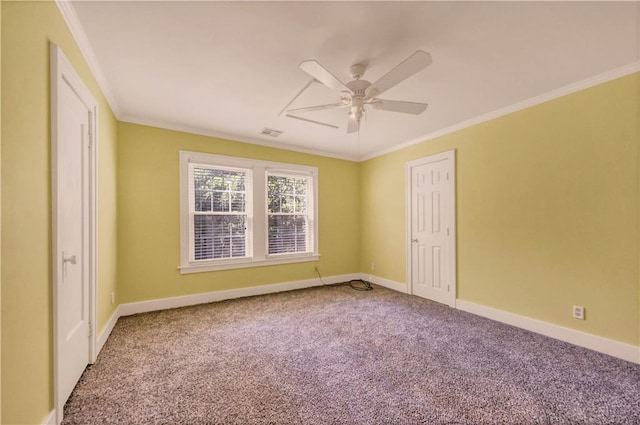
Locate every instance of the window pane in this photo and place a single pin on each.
(284, 194)
(219, 236)
(301, 204)
(202, 200)
(287, 198)
(220, 201)
(219, 190)
(287, 234)
(287, 204)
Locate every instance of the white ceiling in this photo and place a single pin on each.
(228, 68)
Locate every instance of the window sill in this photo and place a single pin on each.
(241, 264)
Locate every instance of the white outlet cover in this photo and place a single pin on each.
(578, 312)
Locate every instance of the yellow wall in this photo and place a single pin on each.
(149, 216)
(107, 202)
(0, 208)
(547, 210)
(27, 328)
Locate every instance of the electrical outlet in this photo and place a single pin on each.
(113, 297)
(578, 312)
(373, 265)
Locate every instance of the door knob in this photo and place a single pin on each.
(71, 259)
(414, 240)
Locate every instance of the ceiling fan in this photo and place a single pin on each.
(359, 94)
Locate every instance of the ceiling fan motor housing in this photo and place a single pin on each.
(358, 87)
(357, 71)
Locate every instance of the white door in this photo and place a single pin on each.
(71, 160)
(431, 231)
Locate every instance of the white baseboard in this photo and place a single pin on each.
(593, 342)
(187, 300)
(104, 335)
(183, 301)
(613, 348)
(50, 419)
(391, 284)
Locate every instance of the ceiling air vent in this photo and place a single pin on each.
(271, 132)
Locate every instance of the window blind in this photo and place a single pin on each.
(288, 213)
(219, 211)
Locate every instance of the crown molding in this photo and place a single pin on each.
(232, 137)
(77, 31)
(545, 97)
(71, 19)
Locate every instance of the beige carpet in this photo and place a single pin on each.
(332, 355)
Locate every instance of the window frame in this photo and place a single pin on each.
(258, 235)
(247, 213)
(310, 213)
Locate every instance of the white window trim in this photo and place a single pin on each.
(259, 230)
(247, 213)
(310, 216)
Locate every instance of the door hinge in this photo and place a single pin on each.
(447, 231)
(90, 129)
(89, 330)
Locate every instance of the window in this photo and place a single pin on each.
(239, 212)
(287, 209)
(218, 205)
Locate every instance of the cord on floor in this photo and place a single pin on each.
(356, 284)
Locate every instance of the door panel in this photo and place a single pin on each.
(72, 237)
(431, 195)
(74, 119)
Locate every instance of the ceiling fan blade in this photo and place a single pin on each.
(317, 108)
(399, 106)
(414, 63)
(318, 72)
(353, 125)
(312, 121)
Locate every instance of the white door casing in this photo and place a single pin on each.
(431, 250)
(73, 124)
